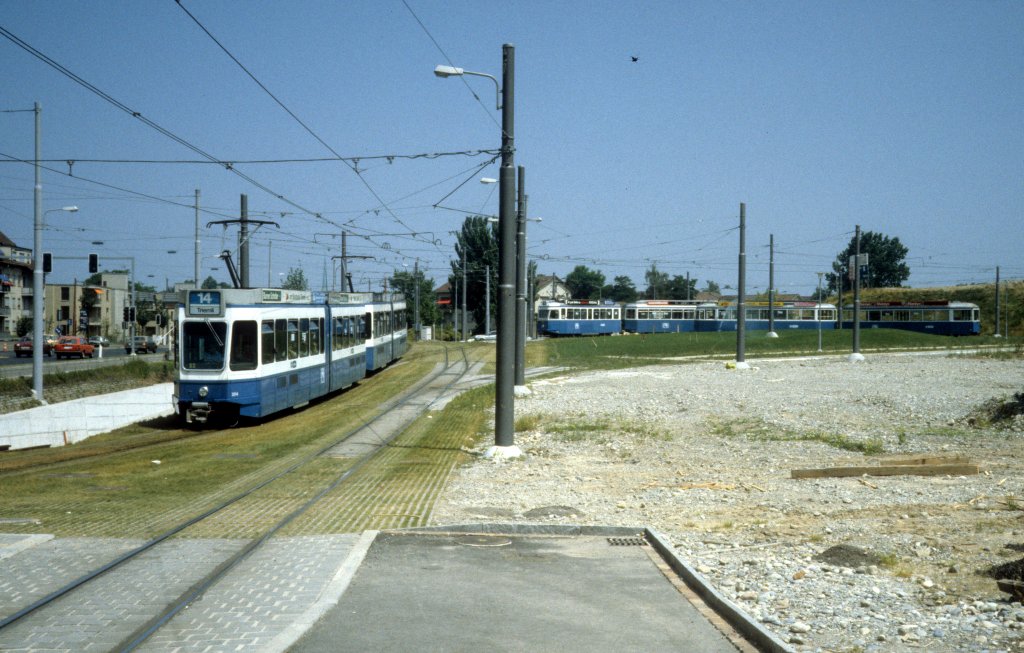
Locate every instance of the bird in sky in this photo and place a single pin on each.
(635, 59)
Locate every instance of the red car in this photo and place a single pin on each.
(69, 346)
(24, 347)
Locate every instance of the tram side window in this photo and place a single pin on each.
(281, 340)
(293, 339)
(367, 329)
(267, 332)
(962, 315)
(630, 313)
(314, 337)
(303, 337)
(337, 333)
(243, 345)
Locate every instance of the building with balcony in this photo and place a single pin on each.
(15, 286)
(88, 310)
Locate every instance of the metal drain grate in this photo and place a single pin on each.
(636, 540)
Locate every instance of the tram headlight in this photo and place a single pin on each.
(203, 391)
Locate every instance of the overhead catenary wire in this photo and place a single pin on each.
(144, 120)
(351, 165)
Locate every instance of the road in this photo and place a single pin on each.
(12, 366)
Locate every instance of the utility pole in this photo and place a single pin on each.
(520, 362)
(997, 304)
(818, 316)
(243, 238)
(344, 262)
(243, 241)
(37, 271)
(856, 356)
(487, 301)
(504, 401)
(416, 288)
(463, 293)
(198, 254)
(741, 305)
(270, 267)
(771, 287)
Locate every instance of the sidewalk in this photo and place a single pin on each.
(72, 421)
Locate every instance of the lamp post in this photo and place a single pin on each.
(504, 402)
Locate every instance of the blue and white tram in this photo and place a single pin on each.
(948, 318)
(660, 316)
(386, 335)
(787, 315)
(578, 318)
(254, 352)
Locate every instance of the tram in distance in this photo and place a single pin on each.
(591, 317)
(948, 318)
(254, 352)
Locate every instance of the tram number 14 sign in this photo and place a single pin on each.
(205, 303)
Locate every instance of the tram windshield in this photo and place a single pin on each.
(203, 345)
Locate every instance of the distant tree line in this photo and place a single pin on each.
(476, 257)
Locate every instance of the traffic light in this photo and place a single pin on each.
(125, 315)
(131, 314)
(47, 262)
(94, 263)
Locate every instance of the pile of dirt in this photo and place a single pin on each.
(999, 412)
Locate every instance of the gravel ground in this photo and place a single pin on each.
(703, 454)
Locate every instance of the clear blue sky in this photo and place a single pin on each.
(906, 118)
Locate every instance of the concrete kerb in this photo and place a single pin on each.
(737, 618)
(327, 599)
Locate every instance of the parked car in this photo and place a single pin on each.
(24, 347)
(99, 341)
(69, 346)
(142, 345)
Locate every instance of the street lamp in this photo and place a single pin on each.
(504, 400)
(38, 299)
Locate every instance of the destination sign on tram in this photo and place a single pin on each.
(205, 303)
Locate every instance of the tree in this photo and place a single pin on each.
(657, 283)
(210, 283)
(622, 290)
(477, 244)
(678, 288)
(23, 326)
(886, 263)
(296, 280)
(405, 282)
(712, 287)
(584, 283)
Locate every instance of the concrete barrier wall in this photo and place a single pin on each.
(76, 420)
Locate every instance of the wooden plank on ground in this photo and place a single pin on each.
(958, 469)
(923, 459)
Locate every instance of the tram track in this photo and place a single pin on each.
(376, 435)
